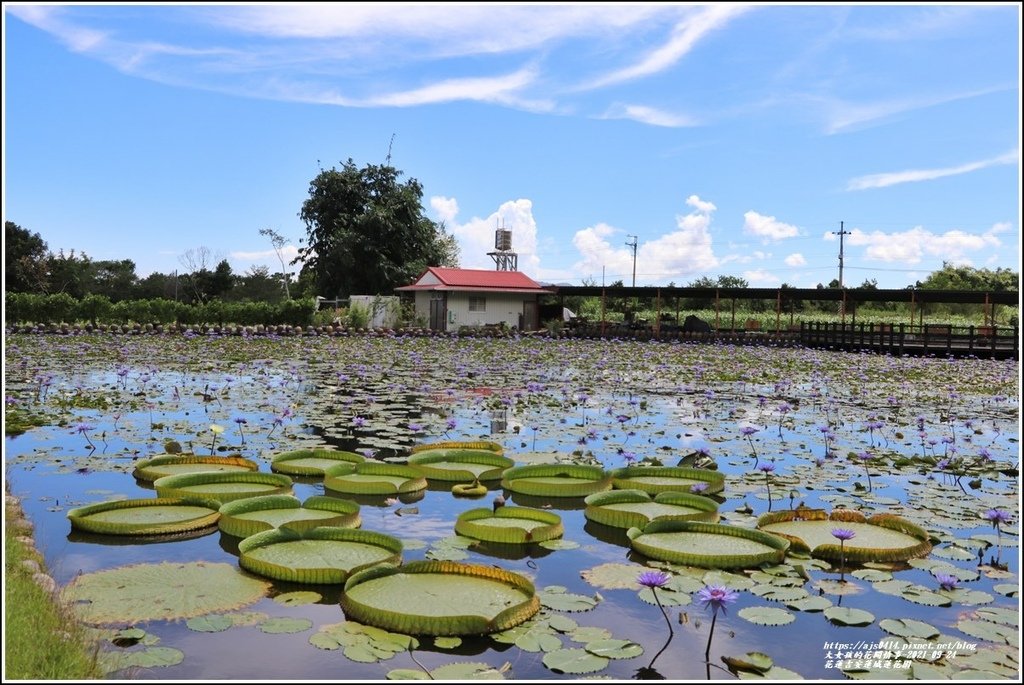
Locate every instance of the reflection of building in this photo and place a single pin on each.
(451, 298)
(499, 421)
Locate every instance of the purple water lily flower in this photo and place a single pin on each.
(716, 597)
(843, 534)
(653, 579)
(698, 488)
(946, 581)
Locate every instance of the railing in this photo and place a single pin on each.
(991, 341)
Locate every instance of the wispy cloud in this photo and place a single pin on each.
(843, 116)
(648, 115)
(686, 34)
(914, 175)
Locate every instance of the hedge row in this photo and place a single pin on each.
(31, 308)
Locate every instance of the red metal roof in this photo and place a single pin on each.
(474, 279)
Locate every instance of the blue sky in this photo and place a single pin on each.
(728, 139)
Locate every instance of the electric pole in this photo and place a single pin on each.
(841, 232)
(633, 245)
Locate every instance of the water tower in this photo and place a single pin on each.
(504, 258)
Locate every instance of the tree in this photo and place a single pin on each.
(24, 260)
(279, 241)
(114, 279)
(366, 231)
(951, 277)
(258, 285)
(68, 273)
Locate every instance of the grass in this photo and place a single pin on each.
(41, 640)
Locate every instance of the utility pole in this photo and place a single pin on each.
(841, 232)
(633, 245)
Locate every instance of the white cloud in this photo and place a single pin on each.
(760, 277)
(910, 247)
(795, 259)
(487, 89)
(686, 34)
(768, 227)
(476, 236)
(844, 115)
(288, 252)
(648, 115)
(896, 177)
(683, 252)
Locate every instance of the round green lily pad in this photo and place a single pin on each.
(439, 598)
(224, 487)
(846, 616)
(312, 462)
(513, 525)
(320, 555)
(245, 517)
(460, 465)
(637, 508)
(177, 464)
(556, 480)
(656, 479)
(160, 592)
(153, 516)
(707, 545)
(882, 537)
(374, 478)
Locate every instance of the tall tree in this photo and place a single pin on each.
(114, 278)
(24, 259)
(279, 241)
(366, 231)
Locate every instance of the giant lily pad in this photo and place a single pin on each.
(224, 487)
(460, 465)
(513, 525)
(153, 516)
(312, 462)
(161, 592)
(320, 555)
(245, 517)
(374, 478)
(636, 508)
(177, 464)
(656, 479)
(882, 537)
(707, 545)
(485, 445)
(556, 480)
(439, 598)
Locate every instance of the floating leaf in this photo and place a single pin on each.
(773, 673)
(845, 616)
(560, 544)
(587, 634)
(1007, 589)
(872, 575)
(778, 594)
(810, 604)
(467, 671)
(613, 576)
(165, 591)
(214, 623)
(614, 649)
(566, 601)
(128, 637)
(151, 657)
(562, 624)
(908, 627)
(447, 642)
(993, 632)
(767, 616)
(751, 661)
(574, 661)
(967, 597)
(1006, 617)
(298, 598)
(538, 639)
(285, 625)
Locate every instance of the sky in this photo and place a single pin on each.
(724, 139)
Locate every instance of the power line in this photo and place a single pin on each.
(633, 245)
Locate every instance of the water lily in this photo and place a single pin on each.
(768, 469)
(216, 430)
(83, 429)
(241, 421)
(715, 597)
(842, 534)
(698, 488)
(997, 517)
(946, 581)
(655, 580)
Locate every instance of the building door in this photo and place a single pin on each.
(438, 311)
(530, 315)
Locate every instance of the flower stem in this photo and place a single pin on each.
(711, 633)
(667, 622)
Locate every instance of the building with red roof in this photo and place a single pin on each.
(447, 299)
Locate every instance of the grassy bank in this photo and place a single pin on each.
(41, 641)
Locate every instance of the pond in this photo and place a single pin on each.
(934, 441)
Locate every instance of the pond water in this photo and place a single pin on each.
(933, 440)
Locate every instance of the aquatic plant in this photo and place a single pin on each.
(715, 598)
(655, 580)
(842, 534)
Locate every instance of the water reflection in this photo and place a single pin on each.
(560, 503)
(119, 540)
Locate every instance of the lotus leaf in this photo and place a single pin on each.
(224, 487)
(908, 627)
(245, 517)
(574, 661)
(563, 624)
(538, 638)
(151, 657)
(298, 598)
(320, 555)
(657, 479)
(1007, 589)
(439, 598)
(447, 642)
(614, 649)
(708, 545)
(374, 478)
(767, 616)
(312, 462)
(992, 632)
(778, 594)
(637, 508)
(1006, 617)
(213, 623)
(176, 464)
(511, 525)
(282, 625)
(557, 599)
(810, 604)
(460, 465)
(883, 537)
(588, 634)
(156, 516)
(165, 591)
(556, 480)
(846, 616)
(613, 576)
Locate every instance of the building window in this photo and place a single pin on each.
(477, 304)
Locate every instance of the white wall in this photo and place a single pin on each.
(383, 309)
(500, 307)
